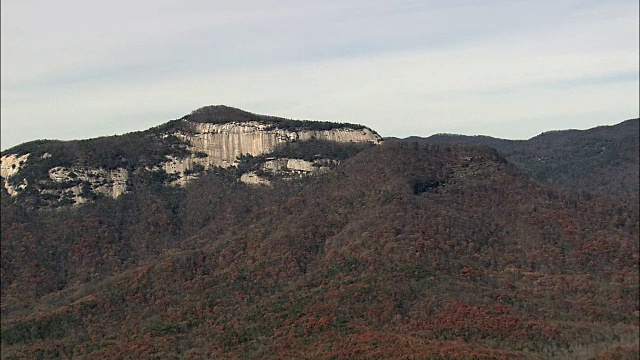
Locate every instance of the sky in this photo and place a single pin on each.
(75, 69)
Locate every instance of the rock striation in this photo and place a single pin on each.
(194, 145)
(222, 143)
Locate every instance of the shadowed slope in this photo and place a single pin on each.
(601, 160)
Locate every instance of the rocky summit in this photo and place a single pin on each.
(259, 147)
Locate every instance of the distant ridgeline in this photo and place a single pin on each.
(256, 148)
(600, 160)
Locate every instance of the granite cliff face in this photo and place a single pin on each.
(174, 153)
(220, 145)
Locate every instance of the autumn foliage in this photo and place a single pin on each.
(406, 251)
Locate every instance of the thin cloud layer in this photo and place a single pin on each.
(500, 68)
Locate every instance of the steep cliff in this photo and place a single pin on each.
(220, 145)
(177, 152)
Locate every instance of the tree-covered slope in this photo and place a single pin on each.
(601, 160)
(406, 250)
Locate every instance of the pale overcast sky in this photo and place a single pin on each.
(83, 68)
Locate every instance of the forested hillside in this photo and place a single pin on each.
(602, 160)
(405, 250)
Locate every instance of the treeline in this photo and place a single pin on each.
(221, 114)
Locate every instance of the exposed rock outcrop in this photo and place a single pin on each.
(213, 145)
(252, 178)
(222, 143)
(195, 145)
(10, 164)
(111, 183)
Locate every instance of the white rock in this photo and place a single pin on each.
(10, 164)
(223, 143)
(254, 179)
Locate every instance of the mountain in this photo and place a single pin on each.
(404, 250)
(602, 160)
(54, 173)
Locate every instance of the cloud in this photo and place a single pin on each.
(404, 67)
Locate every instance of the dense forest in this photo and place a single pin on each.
(406, 250)
(602, 160)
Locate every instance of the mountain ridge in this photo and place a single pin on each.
(176, 152)
(601, 160)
